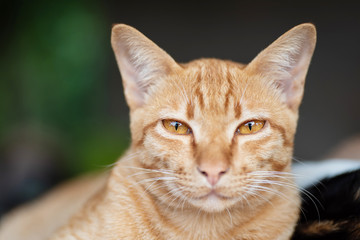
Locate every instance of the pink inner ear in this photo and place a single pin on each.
(285, 62)
(133, 92)
(294, 87)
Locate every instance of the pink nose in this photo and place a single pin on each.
(212, 172)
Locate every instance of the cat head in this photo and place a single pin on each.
(213, 131)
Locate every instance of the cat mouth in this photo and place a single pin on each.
(213, 201)
(213, 194)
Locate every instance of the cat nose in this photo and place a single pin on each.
(212, 172)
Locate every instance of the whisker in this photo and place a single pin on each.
(231, 220)
(182, 199)
(294, 187)
(148, 187)
(183, 202)
(302, 190)
(176, 194)
(276, 173)
(151, 170)
(197, 215)
(156, 179)
(271, 190)
(243, 93)
(152, 181)
(252, 193)
(125, 157)
(245, 198)
(295, 159)
(183, 92)
(142, 172)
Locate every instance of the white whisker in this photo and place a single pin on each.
(231, 220)
(293, 187)
(253, 193)
(243, 93)
(151, 170)
(125, 157)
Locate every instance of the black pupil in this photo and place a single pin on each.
(250, 125)
(177, 125)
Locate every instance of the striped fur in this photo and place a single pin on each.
(156, 191)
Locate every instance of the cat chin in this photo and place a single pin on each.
(213, 203)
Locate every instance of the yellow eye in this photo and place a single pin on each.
(251, 127)
(176, 127)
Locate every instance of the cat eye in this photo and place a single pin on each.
(250, 127)
(176, 127)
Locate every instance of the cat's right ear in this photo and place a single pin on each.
(285, 62)
(141, 63)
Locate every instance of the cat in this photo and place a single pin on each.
(331, 200)
(331, 209)
(210, 156)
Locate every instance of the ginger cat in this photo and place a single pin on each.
(211, 151)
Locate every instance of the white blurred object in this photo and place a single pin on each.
(311, 172)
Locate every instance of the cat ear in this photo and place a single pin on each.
(141, 63)
(285, 62)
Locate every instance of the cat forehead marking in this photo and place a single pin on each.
(214, 87)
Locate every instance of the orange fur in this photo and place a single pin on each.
(244, 189)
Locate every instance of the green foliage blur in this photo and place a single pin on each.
(53, 74)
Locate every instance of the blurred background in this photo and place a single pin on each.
(62, 110)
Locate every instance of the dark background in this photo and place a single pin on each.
(62, 110)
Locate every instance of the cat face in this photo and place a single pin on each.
(214, 134)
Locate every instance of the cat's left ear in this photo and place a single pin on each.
(141, 62)
(285, 62)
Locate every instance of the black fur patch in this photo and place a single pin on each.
(335, 215)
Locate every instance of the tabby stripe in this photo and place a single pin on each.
(278, 166)
(237, 110)
(153, 200)
(287, 142)
(198, 92)
(200, 98)
(229, 92)
(189, 111)
(145, 130)
(227, 99)
(144, 215)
